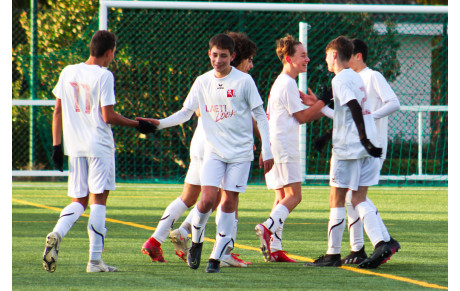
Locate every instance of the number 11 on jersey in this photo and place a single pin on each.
(76, 91)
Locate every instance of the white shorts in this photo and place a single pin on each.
(194, 171)
(228, 176)
(354, 173)
(90, 175)
(283, 174)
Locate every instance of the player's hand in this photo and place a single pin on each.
(155, 122)
(268, 164)
(58, 157)
(326, 95)
(261, 161)
(308, 99)
(322, 141)
(145, 126)
(371, 149)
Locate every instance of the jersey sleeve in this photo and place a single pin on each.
(382, 88)
(343, 92)
(252, 94)
(107, 89)
(58, 90)
(191, 102)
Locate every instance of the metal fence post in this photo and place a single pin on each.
(32, 74)
(303, 37)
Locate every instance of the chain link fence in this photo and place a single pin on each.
(161, 52)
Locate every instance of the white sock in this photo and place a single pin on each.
(234, 232)
(383, 228)
(69, 215)
(276, 240)
(335, 230)
(96, 231)
(228, 251)
(277, 217)
(186, 226)
(355, 225)
(218, 213)
(199, 221)
(224, 234)
(174, 210)
(368, 216)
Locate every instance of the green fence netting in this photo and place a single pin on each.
(161, 52)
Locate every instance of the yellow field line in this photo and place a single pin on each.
(300, 258)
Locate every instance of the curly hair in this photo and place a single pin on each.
(244, 47)
(286, 47)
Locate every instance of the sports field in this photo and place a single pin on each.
(416, 217)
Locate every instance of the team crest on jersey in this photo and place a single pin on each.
(231, 93)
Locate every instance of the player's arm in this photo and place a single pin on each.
(387, 95)
(57, 122)
(111, 117)
(262, 124)
(314, 111)
(256, 132)
(58, 154)
(387, 108)
(357, 114)
(177, 118)
(255, 129)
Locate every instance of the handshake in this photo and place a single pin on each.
(145, 126)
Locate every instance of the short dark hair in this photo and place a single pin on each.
(244, 47)
(101, 42)
(343, 46)
(360, 46)
(223, 42)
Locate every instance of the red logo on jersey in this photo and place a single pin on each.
(230, 93)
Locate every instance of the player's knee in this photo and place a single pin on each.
(189, 200)
(206, 204)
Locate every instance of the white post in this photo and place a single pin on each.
(103, 12)
(303, 37)
(420, 141)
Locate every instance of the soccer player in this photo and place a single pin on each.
(245, 51)
(354, 163)
(286, 112)
(84, 113)
(226, 98)
(382, 102)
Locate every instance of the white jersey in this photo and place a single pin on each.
(198, 141)
(225, 105)
(346, 145)
(283, 102)
(378, 92)
(83, 90)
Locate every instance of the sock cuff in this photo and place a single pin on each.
(181, 203)
(337, 213)
(77, 206)
(282, 209)
(200, 213)
(96, 207)
(364, 208)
